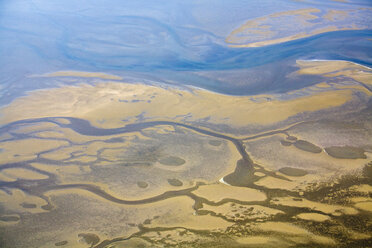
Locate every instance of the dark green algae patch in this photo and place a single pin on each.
(9, 218)
(293, 172)
(301, 144)
(172, 161)
(285, 143)
(61, 243)
(307, 146)
(142, 184)
(346, 152)
(89, 238)
(175, 182)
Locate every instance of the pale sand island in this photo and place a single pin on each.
(135, 165)
(296, 24)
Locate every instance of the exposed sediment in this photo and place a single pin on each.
(160, 180)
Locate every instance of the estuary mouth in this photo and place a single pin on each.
(185, 124)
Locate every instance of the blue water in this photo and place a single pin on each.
(165, 41)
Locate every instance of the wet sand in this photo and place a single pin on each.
(233, 205)
(168, 181)
(76, 101)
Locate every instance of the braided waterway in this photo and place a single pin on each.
(276, 205)
(243, 175)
